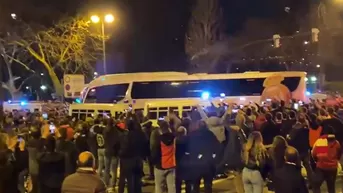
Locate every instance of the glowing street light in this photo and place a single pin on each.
(108, 18)
(14, 16)
(313, 78)
(306, 42)
(43, 87)
(95, 19)
(318, 66)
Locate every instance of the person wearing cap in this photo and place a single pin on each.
(85, 179)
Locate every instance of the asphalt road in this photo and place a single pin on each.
(227, 186)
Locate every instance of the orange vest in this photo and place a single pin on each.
(314, 135)
(168, 159)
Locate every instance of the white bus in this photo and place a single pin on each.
(113, 94)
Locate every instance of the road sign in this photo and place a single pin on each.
(67, 87)
(73, 85)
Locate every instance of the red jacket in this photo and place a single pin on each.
(327, 152)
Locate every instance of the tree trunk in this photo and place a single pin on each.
(56, 82)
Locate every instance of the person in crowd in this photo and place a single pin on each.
(111, 145)
(85, 180)
(181, 160)
(269, 130)
(249, 118)
(82, 136)
(299, 139)
(232, 158)
(332, 113)
(214, 123)
(260, 119)
(327, 153)
(6, 169)
(163, 157)
(65, 145)
(276, 157)
(336, 124)
(315, 129)
(9, 164)
(35, 145)
(288, 178)
(186, 121)
(131, 154)
(98, 129)
(148, 129)
(277, 152)
(51, 167)
(22, 159)
(203, 148)
(255, 158)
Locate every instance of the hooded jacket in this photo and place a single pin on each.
(163, 151)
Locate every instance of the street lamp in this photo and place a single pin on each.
(43, 87)
(14, 16)
(108, 18)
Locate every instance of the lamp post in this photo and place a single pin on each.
(108, 18)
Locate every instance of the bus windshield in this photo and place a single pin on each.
(194, 89)
(107, 94)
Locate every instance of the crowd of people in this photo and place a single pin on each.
(262, 145)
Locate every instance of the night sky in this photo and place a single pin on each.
(149, 35)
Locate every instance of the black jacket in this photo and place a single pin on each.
(288, 179)
(111, 137)
(81, 143)
(132, 142)
(299, 139)
(51, 169)
(268, 131)
(68, 148)
(203, 148)
(9, 171)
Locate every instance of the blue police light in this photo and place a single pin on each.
(22, 103)
(205, 95)
(78, 100)
(308, 93)
(9, 101)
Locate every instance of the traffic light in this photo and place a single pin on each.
(315, 33)
(276, 39)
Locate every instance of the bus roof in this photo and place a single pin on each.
(180, 76)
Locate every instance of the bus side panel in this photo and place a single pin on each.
(299, 93)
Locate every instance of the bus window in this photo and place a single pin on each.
(107, 94)
(193, 89)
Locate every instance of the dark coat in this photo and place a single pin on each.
(203, 148)
(288, 179)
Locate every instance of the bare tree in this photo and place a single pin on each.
(69, 46)
(14, 55)
(205, 32)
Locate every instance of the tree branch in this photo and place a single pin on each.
(21, 63)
